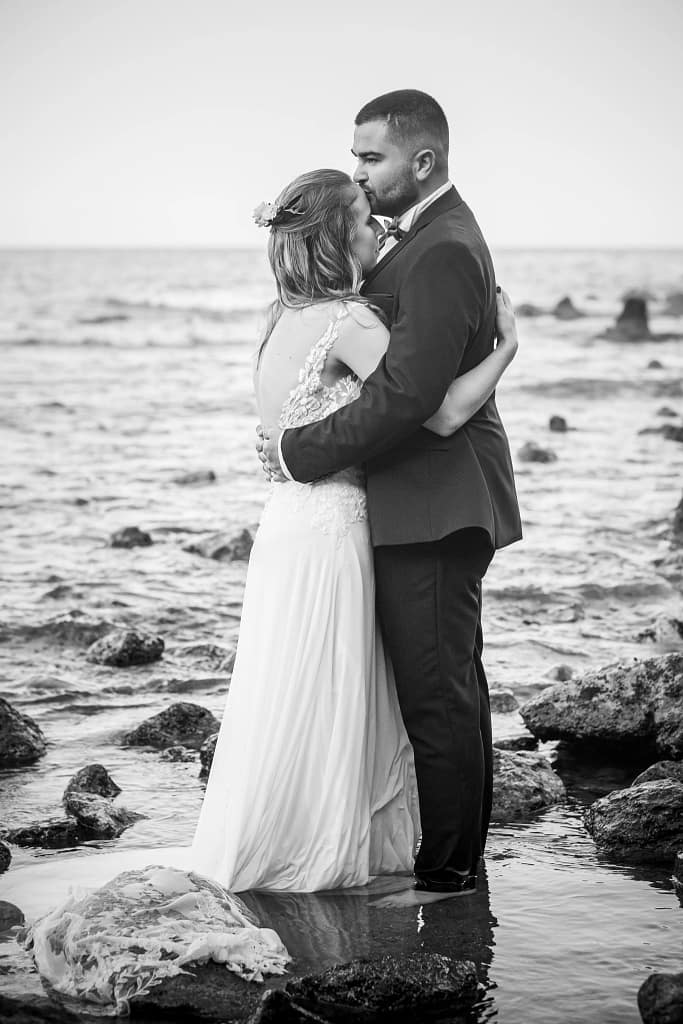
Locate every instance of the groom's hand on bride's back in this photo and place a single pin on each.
(267, 448)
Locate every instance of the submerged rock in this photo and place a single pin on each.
(182, 724)
(54, 834)
(5, 856)
(130, 537)
(197, 476)
(126, 647)
(664, 629)
(523, 783)
(381, 988)
(643, 822)
(523, 742)
(94, 778)
(206, 752)
(97, 815)
(678, 874)
(73, 628)
(660, 999)
(21, 739)
(10, 916)
(204, 992)
(622, 704)
(661, 770)
(566, 310)
(178, 754)
(558, 424)
(223, 547)
(208, 655)
(532, 452)
(34, 1009)
(503, 701)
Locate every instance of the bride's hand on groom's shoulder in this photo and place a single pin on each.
(506, 325)
(267, 448)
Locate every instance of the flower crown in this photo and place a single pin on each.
(266, 214)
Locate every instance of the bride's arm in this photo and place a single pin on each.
(363, 341)
(469, 392)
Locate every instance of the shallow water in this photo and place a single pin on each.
(122, 370)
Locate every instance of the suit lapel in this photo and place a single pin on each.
(443, 204)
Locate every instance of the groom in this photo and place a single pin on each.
(438, 506)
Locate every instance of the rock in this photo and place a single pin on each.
(10, 916)
(181, 724)
(5, 856)
(678, 874)
(561, 672)
(660, 999)
(666, 410)
(643, 822)
(409, 986)
(638, 293)
(655, 364)
(503, 701)
(94, 778)
(73, 628)
(223, 547)
(523, 783)
(206, 752)
(528, 309)
(523, 742)
(126, 647)
(55, 834)
(622, 704)
(178, 754)
(532, 452)
(198, 476)
(34, 1010)
(202, 993)
(677, 526)
(558, 424)
(632, 322)
(208, 655)
(21, 739)
(674, 304)
(130, 537)
(673, 433)
(97, 815)
(661, 770)
(663, 630)
(566, 310)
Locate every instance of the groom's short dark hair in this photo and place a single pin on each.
(408, 113)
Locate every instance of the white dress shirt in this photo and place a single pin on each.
(405, 223)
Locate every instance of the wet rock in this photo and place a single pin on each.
(178, 754)
(566, 310)
(623, 705)
(10, 916)
(523, 742)
(632, 322)
(206, 752)
(660, 999)
(643, 822)
(655, 364)
(204, 992)
(379, 988)
(678, 874)
(73, 628)
(558, 424)
(677, 525)
(197, 477)
(94, 778)
(532, 452)
(21, 739)
(34, 1009)
(674, 304)
(97, 815)
(664, 629)
(561, 672)
(55, 834)
(130, 537)
(182, 724)
(666, 410)
(661, 770)
(503, 701)
(206, 655)
(223, 547)
(126, 647)
(5, 856)
(59, 592)
(523, 783)
(528, 309)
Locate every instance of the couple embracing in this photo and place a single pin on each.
(356, 739)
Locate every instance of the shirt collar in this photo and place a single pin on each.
(407, 219)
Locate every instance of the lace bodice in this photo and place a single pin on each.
(337, 501)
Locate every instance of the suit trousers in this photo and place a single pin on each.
(429, 603)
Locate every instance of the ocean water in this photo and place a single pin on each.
(121, 370)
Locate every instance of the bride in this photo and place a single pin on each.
(312, 785)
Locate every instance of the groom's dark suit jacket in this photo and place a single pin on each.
(437, 288)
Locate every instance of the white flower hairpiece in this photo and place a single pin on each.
(266, 213)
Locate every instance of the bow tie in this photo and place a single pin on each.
(392, 230)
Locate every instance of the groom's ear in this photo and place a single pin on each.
(424, 163)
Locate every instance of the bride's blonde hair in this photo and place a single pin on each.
(310, 245)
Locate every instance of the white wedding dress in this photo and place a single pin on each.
(312, 785)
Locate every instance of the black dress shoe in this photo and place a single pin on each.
(468, 883)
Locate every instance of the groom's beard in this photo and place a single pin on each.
(395, 198)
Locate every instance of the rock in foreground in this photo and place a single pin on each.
(182, 724)
(661, 770)
(660, 999)
(54, 834)
(643, 822)
(99, 816)
(21, 739)
(523, 783)
(623, 704)
(94, 778)
(126, 647)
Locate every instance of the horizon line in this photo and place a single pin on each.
(246, 247)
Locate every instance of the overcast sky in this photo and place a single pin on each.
(164, 122)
